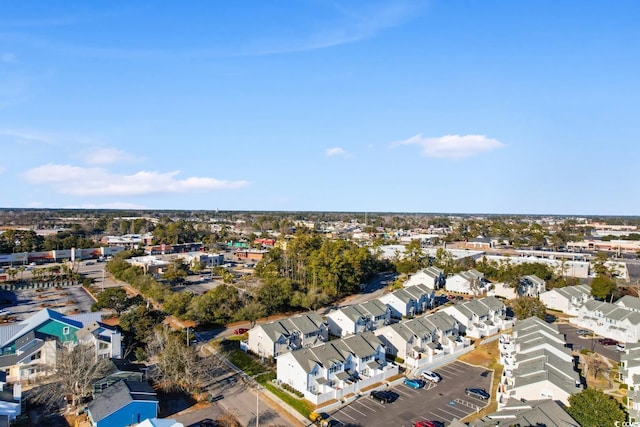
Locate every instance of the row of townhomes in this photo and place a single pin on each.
(568, 299)
(617, 321)
(630, 375)
(336, 368)
(528, 286)
(323, 370)
(537, 364)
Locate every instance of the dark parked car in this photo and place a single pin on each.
(479, 393)
(381, 396)
(607, 341)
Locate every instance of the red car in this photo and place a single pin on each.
(424, 424)
(607, 341)
(240, 331)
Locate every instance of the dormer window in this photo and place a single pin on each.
(65, 330)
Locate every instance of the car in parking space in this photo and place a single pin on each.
(607, 341)
(240, 331)
(479, 393)
(382, 396)
(424, 423)
(583, 332)
(430, 376)
(620, 347)
(414, 382)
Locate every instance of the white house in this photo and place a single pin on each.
(548, 413)
(470, 282)
(531, 286)
(537, 364)
(629, 302)
(358, 318)
(630, 366)
(280, 336)
(609, 320)
(433, 277)
(479, 318)
(336, 368)
(409, 301)
(420, 340)
(502, 290)
(568, 299)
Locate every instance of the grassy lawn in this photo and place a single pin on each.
(252, 367)
(487, 356)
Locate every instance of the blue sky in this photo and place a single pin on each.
(322, 105)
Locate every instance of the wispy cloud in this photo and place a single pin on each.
(105, 156)
(452, 146)
(343, 23)
(79, 181)
(8, 58)
(23, 136)
(336, 151)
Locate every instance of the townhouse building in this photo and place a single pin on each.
(470, 282)
(280, 336)
(432, 277)
(358, 318)
(537, 364)
(609, 320)
(336, 368)
(409, 301)
(568, 299)
(479, 318)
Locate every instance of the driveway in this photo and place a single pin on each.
(441, 402)
(591, 343)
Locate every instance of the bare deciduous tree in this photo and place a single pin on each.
(76, 369)
(176, 365)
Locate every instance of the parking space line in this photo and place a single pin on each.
(450, 413)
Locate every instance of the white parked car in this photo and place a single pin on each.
(431, 376)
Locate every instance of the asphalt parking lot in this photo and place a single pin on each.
(591, 343)
(67, 300)
(441, 402)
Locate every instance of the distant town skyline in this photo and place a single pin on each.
(408, 106)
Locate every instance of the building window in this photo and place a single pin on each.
(65, 330)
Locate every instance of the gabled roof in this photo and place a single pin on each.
(577, 291)
(340, 350)
(118, 396)
(305, 323)
(418, 291)
(612, 311)
(630, 302)
(546, 413)
(12, 333)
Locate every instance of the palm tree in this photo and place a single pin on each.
(21, 269)
(12, 272)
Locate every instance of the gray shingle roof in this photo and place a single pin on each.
(118, 396)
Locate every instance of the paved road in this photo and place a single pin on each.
(590, 343)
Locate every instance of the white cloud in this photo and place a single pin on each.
(79, 181)
(104, 156)
(336, 151)
(452, 146)
(9, 58)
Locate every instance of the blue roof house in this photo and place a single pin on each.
(123, 404)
